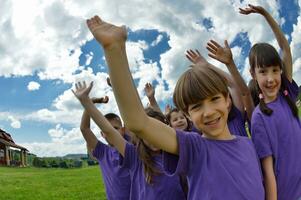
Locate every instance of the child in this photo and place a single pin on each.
(144, 162)
(178, 120)
(218, 165)
(276, 127)
(116, 179)
(239, 91)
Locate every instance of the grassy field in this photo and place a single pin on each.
(51, 184)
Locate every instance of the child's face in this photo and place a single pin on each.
(117, 125)
(210, 116)
(178, 120)
(269, 81)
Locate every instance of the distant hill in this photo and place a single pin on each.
(75, 156)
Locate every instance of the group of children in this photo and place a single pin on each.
(200, 149)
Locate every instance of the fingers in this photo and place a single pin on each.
(226, 44)
(106, 99)
(210, 49)
(212, 56)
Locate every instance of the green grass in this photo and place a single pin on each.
(51, 184)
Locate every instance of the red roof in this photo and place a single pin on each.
(6, 139)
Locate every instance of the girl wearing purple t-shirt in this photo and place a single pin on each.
(218, 165)
(146, 169)
(276, 127)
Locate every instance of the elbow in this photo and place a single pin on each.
(137, 125)
(84, 129)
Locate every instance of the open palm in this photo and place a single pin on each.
(105, 33)
(216, 51)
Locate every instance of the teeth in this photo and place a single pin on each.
(212, 122)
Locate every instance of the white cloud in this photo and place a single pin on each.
(157, 41)
(32, 85)
(15, 123)
(45, 37)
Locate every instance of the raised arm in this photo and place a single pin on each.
(112, 135)
(281, 39)
(150, 93)
(87, 133)
(224, 55)
(112, 39)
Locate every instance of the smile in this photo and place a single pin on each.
(213, 122)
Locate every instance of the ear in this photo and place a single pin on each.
(123, 130)
(228, 101)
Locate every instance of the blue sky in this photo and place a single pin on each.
(46, 47)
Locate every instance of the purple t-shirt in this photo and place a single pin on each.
(279, 135)
(236, 124)
(116, 179)
(162, 186)
(217, 169)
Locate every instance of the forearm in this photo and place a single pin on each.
(270, 187)
(282, 42)
(130, 106)
(126, 95)
(154, 104)
(112, 135)
(269, 178)
(88, 135)
(244, 91)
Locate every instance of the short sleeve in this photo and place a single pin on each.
(191, 149)
(292, 88)
(260, 137)
(99, 150)
(130, 158)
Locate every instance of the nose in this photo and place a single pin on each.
(208, 110)
(270, 78)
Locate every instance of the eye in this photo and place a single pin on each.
(262, 71)
(215, 98)
(195, 106)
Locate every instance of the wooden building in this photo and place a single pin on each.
(7, 150)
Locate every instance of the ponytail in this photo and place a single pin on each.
(146, 156)
(263, 106)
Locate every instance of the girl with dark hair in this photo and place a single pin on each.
(218, 165)
(276, 127)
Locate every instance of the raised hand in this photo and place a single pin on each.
(82, 91)
(222, 54)
(167, 108)
(104, 99)
(251, 9)
(105, 33)
(195, 56)
(149, 90)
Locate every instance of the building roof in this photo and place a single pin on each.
(6, 139)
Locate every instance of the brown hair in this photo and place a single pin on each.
(264, 55)
(145, 153)
(196, 84)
